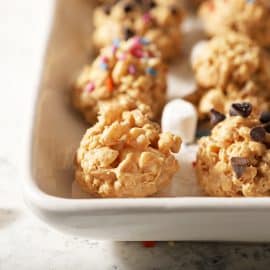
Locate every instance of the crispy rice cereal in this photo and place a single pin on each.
(235, 159)
(251, 18)
(125, 155)
(158, 21)
(232, 68)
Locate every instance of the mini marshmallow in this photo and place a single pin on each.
(197, 50)
(180, 118)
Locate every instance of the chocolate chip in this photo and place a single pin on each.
(128, 8)
(152, 4)
(265, 117)
(216, 117)
(128, 33)
(174, 10)
(239, 165)
(258, 134)
(243, 109)
(267, 128)
(107, 9)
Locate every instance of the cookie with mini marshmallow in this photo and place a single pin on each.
(125, 155)
(125, 70)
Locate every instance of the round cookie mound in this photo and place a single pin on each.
(125, 155)
(156, 20)
(225, 59)
(251, 18)
(124, 70)
(235, 159)
(231, 68)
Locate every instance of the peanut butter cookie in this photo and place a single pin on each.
(127, 70)
(231, 68)
(125, 154)
(251, 18)
(235, 159)
(156, 20)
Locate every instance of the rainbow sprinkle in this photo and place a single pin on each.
(146, 17)
(144, 41)
(110, 84)
(136, 47)
(114, 49)
(103, 66)
(104, 59)
(116, 42)
(132, 69)
(90, 87)
(137, 52)
(122, 57)
(104, 62)
(149, 244)
(151, 71)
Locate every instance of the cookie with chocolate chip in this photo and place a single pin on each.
(157, 20)
(234, 160)
(231, 68)
(125, 70)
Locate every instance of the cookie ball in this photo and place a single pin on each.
(231, 68)
(125, 155)
(235, 159)
(251, 18)
(157, 20)
(125, 70)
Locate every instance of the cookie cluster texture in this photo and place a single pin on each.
(124, 70)
(157, 20)
(125, 154)
(251, 18)
(235, 159)
(231, 68)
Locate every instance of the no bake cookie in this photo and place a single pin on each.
(157, 20)
(235, 159)
(228, 69)
(124, 70)
(251, 18)
(125, 154)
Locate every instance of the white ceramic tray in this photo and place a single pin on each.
(180, 212)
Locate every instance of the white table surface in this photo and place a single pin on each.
(25, 242)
